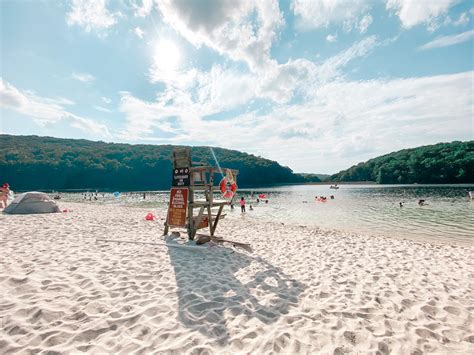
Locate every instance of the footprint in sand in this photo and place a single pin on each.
(350, 337)
(383, 348)
(18, 280)
(425, 334)
(341, 351)
(430, 310)
(453, 310)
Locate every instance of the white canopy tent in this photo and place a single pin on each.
(30, 203)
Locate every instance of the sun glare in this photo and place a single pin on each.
(167, 56)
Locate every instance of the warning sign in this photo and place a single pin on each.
(181, 177)
(177, 207)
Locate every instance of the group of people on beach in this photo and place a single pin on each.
(95, 196)
(92, 196)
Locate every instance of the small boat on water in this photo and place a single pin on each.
(334, 187)
(471, 195)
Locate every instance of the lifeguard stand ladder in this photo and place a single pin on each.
(201, 185)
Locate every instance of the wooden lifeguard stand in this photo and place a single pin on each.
(199, 182)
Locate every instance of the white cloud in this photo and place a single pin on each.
(462, 20)
(84, 77)
(240, 29)
(412, 13)
(446, 41)
(281, 81)
(88, 125)
(331, 68)
(143, 117)
(219, 88)
(106, 100)
(277, 82)
(29, 104)
(102, 109)
(341, 122)
(92, 15)
(189, 96)
(364, 23)
(46, 110)
(138, 31)
(145, 8)
(331, 38)
(192, 96)
(323, 13)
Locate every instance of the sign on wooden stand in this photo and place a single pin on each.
(190, 182)
(181, 177)
(178, 207)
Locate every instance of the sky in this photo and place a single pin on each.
(315, 85)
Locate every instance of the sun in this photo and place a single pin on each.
(166, 56)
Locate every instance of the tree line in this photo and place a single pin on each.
(442, 163)
(46, 163)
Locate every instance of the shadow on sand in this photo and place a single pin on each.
(220, 286)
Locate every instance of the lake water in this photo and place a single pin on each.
(369, 209)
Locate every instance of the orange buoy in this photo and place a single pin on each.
(228, 189)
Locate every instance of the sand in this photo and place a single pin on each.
(300, 290)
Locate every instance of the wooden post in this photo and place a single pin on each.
(197, 222)
(190, 213)
(217, 219)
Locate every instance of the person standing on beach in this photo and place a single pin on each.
(242, 205)
(4, 192)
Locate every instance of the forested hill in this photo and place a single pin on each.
(441, 163)
(45, 163)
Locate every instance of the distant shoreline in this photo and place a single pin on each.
(245, 188)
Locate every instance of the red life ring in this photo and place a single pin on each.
(227, 189)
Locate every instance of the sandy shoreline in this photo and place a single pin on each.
(301, 290)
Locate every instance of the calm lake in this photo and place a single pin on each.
(369, 209)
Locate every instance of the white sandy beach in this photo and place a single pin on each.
(299, 291)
